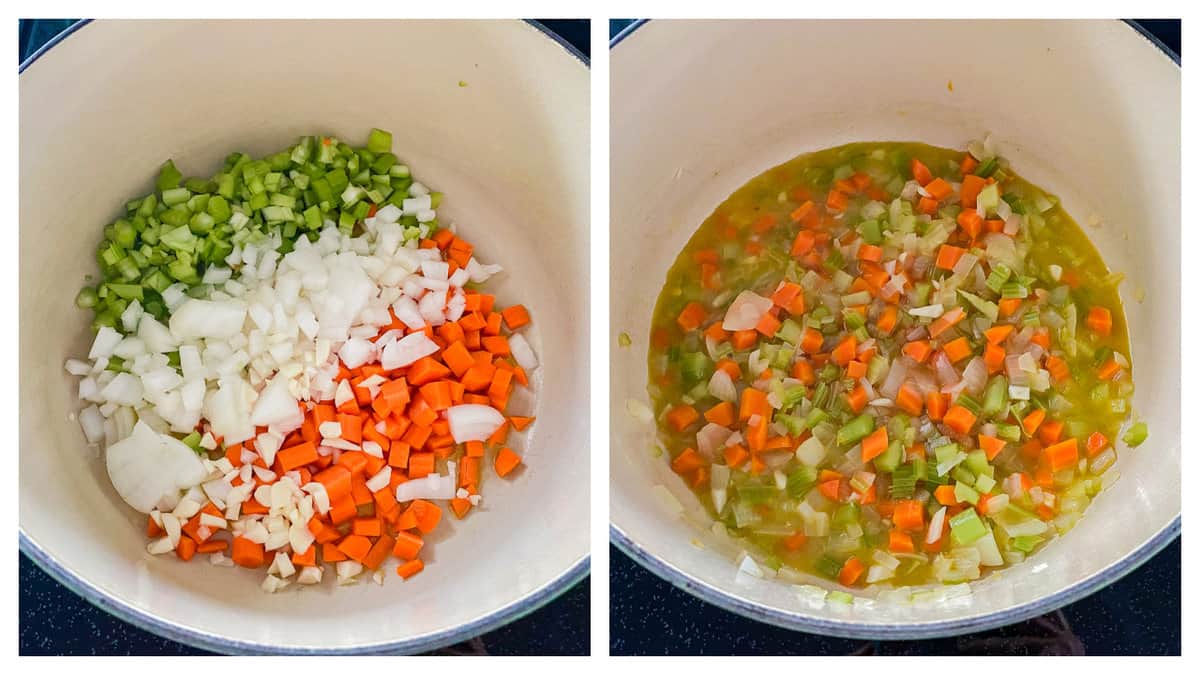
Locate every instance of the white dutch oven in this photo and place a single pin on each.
(1087, 109)
(103, 108)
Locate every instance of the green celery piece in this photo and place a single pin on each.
(869, 229)
(1026, 543)
(1136, 434)
(179, 239)
(890, 459)
(965, 493)
(168, 177)
(966, 528)
(855, 430)
(995, 397)
(750, 493)
(977, 462)
(800, 481)
(379, 141)
(986, 307)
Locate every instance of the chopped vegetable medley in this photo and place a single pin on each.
(892, 364)
(294, 365)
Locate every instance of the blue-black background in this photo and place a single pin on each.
(1139, 614)
(53, 620)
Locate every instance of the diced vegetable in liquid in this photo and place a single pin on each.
(848, 371)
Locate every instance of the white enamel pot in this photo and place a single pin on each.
(1087, 109)
(101, 109)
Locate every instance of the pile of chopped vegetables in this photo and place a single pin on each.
(293, 364)
(891, 364)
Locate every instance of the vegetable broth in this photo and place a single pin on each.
(863, 234)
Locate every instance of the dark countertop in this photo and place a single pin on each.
(53, 620)
(1139, 614)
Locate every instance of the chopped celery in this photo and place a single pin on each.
(966, 527)
(855, 430)
(1136, 434)
(801, 480)
(965, 493)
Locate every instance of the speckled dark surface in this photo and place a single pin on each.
(1138, 615)
(53, 620)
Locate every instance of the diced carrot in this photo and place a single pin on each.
(1009, 306)
(991, 446)
(959, 419)
(1050, 432)
(410, 568)
(722, 414)
(804, 242)
(682, 416)
(1033, 420)
(186, 548)
(845, 351)
(1062, 455)
(1095, 443)
(944, 494)
(515, 316)
(956, 350)
(948, 255)
(971, 222)
(768, 325)
(967, 165)
(837, 200)
(247, 553)
(946, 321)
(296, 456)
(1108, 369)
(936, 404)
(972, 185)
(744, 339)
(427, 514)
(811, 341)
(875, 444)
(355, 547)
(909, 400)
(506, 461)
(917, 350)
(851, 570)
(993, 358)
(920, 172)
(939, 189)
(886, 322)
(927, 206)
(870, 252)
(908, 515)
(900, 542)
(857, 398)
(716, 332)
(692, 316)
(735, 455)
(1099, 319)
(856, 369)
(754, 402)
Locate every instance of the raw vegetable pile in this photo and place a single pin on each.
(293, 364)
(891, 364)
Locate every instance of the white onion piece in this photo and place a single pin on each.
(356, 351)
(276, 407)
(711, 438)
(473, 422)
(433, 486)
(407, 351)
(105, 342)
(721, 386)
(195, 319)
(522, 352)
(746, 311)
(147, 467)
